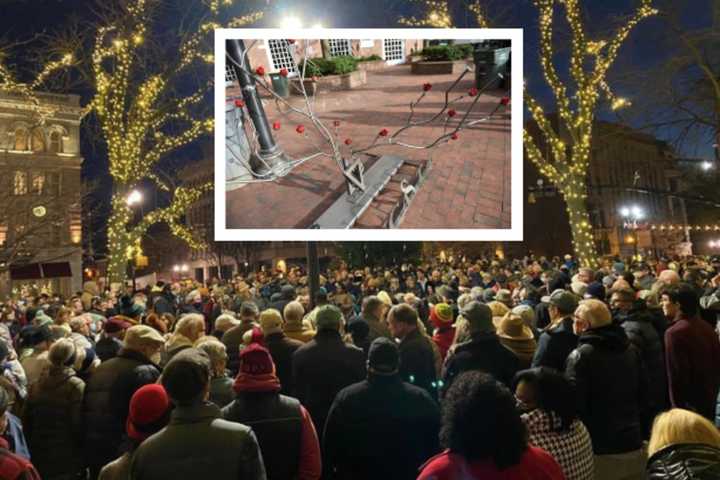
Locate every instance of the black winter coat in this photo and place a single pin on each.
(685, 462)
(554, 345)
(282, 349)
(106, 403)
(611, 387)
(638, 326)
(379, 428)
(52, 423)
(417, 362)
(483, 352)
(321, 368)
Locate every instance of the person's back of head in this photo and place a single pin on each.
(480, 421)
(551, 392)
(679, 426)
(293, 313)
(688, 299)
(249, 311)
(62, 353)
(370, 305)
(191, 326)
(186, 377)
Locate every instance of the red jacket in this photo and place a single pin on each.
(535, 463)
(692, 353)
(443, 338)
(14, 467)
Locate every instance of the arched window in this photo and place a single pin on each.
(38, 140)
(21, 139)
(56, 145)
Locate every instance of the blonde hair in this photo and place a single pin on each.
(682, 426)
(293, 312)
(61, 352)
(190, 325)
(217, 352)
(597, 313)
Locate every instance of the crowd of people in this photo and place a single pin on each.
(465, 369)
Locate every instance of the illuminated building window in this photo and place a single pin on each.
(21, 139)
(20, 186)
(3, 234)
(38, 183)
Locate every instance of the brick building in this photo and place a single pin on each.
(40, 188)
(627, 168)
(273, 56)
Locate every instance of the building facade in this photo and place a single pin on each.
(273, 55)
(40, 187)
(628, 170)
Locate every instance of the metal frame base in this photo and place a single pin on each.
(346, 210)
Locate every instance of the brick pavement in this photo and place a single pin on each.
(468, 185)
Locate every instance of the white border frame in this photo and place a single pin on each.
(514, 233)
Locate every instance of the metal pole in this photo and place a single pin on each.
(313, 266)
(270, 153)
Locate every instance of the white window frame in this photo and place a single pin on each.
(291, 67)
(384, 51)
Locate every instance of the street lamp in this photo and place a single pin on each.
(290, 23)
(134, 198)
(631, 214)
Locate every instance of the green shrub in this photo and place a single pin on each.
(369, 58)
(333, 66)
(444, 53)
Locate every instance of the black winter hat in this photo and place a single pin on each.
(383, 356)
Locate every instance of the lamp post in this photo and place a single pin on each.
(631, 215)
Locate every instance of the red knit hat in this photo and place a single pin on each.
(257, 371)
(148, 413)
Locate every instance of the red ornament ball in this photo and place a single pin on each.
(454, 136)
(383, 132)
(260, 70)
(283, 72)
(291, 41)
(473, 91)
(348, 141)
(336, 123)
(505, 101)
(239, 103)
(451, 113)
(276, 126)
(300, 129)
(427, 87)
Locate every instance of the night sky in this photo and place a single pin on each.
(647, 44)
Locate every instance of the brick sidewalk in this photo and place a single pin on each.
(468, 185)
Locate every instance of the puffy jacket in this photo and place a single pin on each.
(611, 388)
(685, 461)
(107, 398)
(53, 423)
(638, 326)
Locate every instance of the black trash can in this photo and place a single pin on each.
(280, 85)
(490, 60)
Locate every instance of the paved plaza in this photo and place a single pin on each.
(468, 185)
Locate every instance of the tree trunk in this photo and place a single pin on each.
(580, 226)
(325, 47)
(118, 242)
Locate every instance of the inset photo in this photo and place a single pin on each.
(348, 134)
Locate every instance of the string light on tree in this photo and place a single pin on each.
(143, 119)
(576, 99)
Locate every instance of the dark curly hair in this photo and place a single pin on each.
(553, 392)
(480, 421)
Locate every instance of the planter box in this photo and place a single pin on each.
(438, 68)
(372, 65)
(346, 81)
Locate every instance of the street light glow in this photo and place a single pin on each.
(637, 211)
(291, 23)
(706, 165)
(134, 198)
(625, 212)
